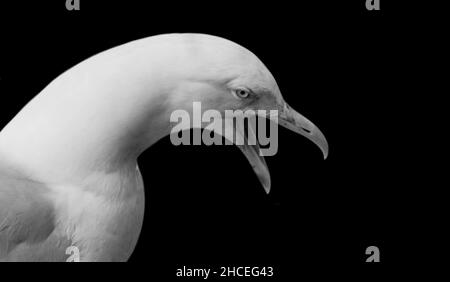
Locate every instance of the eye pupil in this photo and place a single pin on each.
(242, 93)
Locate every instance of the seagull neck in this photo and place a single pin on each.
(96, 118)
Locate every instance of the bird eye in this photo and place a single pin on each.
(242, 93)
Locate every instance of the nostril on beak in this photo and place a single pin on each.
(306, 130)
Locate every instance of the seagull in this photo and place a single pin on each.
(69, 178)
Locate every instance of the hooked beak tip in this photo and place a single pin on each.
(296, 122)
(319, 139)
(267, 188)
(322, 143)
(325, 153)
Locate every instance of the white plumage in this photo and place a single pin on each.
(68, 170)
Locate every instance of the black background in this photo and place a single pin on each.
(334, 62)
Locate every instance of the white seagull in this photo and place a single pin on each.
(69, 180)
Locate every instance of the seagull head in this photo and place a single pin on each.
(223, 75)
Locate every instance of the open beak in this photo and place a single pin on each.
(290, 119)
